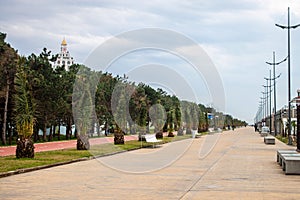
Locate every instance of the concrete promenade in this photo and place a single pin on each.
(229, 165)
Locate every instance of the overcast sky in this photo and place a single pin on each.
(239, 36)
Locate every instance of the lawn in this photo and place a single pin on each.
(10, 163)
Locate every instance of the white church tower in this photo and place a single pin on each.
(64, 57)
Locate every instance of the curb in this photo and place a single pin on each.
(21, 171)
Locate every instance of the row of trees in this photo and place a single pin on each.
(34, 96)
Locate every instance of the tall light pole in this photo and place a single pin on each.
(269, 86)
(274, 63)
(288, 27)
(265, 98)
(262, 109)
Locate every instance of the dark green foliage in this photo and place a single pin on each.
(8, 67)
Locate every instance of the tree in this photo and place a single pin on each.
(8, 63)
(83, 105)
(103, 97)
(170, 122)
(44, 82)
(68, 79)
(203, 120)
(186, 116)
(158, 118)
(119, 109)
(139, 110)
(25, 109)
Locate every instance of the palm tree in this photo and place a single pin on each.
(158, 117)
(25, 113)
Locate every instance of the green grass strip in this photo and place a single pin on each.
(11, 163)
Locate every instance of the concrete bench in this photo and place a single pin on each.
(291, 164)
(282, 156)
(197, 135)
(269, 139)
(151, 138)
(263, 134)
(280, 152)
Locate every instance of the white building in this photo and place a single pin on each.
(64, 58)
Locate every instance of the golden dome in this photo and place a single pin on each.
(64, 42)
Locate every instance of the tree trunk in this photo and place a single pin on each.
(159, 135)
(53, 130)
(83, 142)
(9, 135)
(76, 133)
(106, 129)
(119, 138)
(68, 128)
(45, 132)
(58, 134)
(50, 134)
(36, 136)
(148, 127)
(3, 138)
(180, 132)
(98, 129)
(25, 148)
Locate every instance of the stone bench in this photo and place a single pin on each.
(263, 134)
(269, 140)
(291, 164)
(282, 156)
(151, 138)
(197, 135)
(281, 152)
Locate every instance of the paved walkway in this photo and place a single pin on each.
(231, 165)
(66, 144)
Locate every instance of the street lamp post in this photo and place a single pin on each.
(288, 27)
(297, 101)
(274, 63)
(270, 79)
(265, 98)
(270, 104)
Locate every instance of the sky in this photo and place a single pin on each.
(238, 36)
